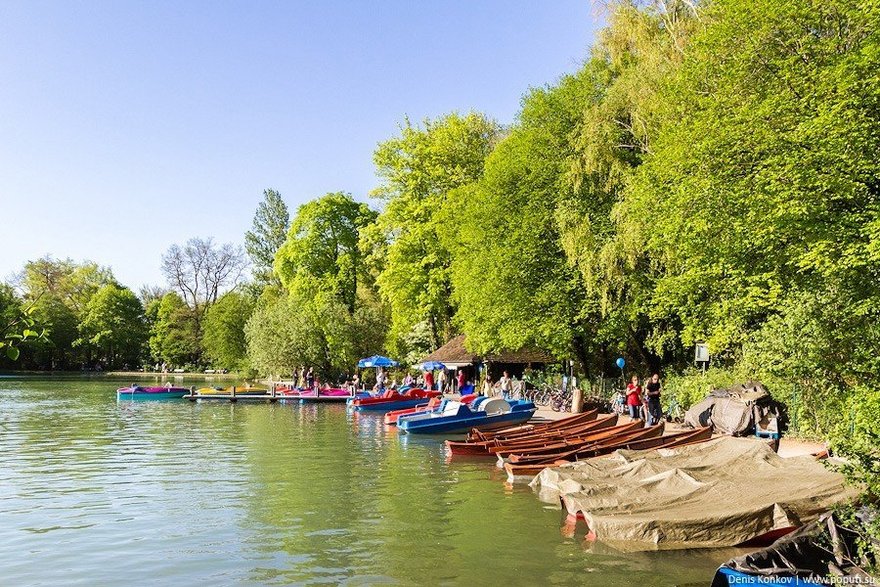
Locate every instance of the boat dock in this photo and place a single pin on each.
(269, 397)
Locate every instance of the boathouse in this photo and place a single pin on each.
(455, 355)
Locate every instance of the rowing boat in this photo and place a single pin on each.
(481, 448)
(647, 440)
(509, 432)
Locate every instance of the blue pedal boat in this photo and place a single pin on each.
(453, 417)
(136, 392)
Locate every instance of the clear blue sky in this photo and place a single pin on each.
(128, 126)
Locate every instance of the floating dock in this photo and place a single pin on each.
(265, 397)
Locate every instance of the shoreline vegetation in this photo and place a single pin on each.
(709, 175)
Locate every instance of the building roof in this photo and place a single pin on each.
(455, 353)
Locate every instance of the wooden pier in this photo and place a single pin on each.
(270, 397)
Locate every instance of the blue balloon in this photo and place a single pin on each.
(620, 362)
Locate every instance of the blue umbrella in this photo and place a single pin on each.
(433, 366)
(376, 361)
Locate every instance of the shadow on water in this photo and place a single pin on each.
(183, 493)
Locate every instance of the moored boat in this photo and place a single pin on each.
(528, 429)
(433, 403)
(392, 400)
(482, 447)
(233, 390)
(647, 438)
(137, 392)
(454, 417)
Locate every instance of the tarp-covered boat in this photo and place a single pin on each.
(823, 552)
(454, 417)
(723, 492)
(153, 393)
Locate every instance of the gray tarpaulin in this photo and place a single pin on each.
(736, 411)
(719, 493)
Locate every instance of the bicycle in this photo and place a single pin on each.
(674, 413)
(561, 401)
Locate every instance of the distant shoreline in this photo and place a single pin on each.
(142, 374)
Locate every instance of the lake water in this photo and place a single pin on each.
(99, 492)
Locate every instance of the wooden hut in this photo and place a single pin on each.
(455, 355)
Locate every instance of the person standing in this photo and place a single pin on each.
(634, 398)
(355, 384)
(441, 380)
(462, 380)
(380, 379)
(488, 390)
(652, 391)
(310, 379)
(505, 384)
(429, 380)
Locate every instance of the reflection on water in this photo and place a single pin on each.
(93, 490)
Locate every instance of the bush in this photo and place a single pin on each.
(692, 386)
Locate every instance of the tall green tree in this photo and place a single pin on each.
(761, 187)
(223, 337)
(113, 323)
(512, 283)
(322, 247)
(417, 170)
(267, 235)
(175, 335)
(58, 293)
(311, 328)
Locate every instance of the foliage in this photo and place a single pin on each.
(17, 326)
(308, 328)
(752, 195)
(321, 251)
(113, 323)
(511, 280)
(267, 235)
(223, 337)
(174, 334)
(56, 294)
(417, 171)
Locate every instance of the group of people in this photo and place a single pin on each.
(426, 380)
(644, 403)
(503, 386)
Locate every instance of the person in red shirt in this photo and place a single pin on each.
(429, 380)
(634, 398)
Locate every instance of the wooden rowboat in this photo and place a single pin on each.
(670, 441)
(482, 448)
(510, 432)
(601, 426)
(569, 444)
(634, 434)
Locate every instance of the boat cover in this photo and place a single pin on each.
(718, 493)
(820, 552)
(737, 411)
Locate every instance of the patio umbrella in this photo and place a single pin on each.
(376, 361)
(433, 366)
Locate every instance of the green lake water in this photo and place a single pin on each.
(99, 492)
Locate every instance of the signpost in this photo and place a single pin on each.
(701, 354)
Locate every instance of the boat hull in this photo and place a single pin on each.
(164, 393)
(463, 425)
